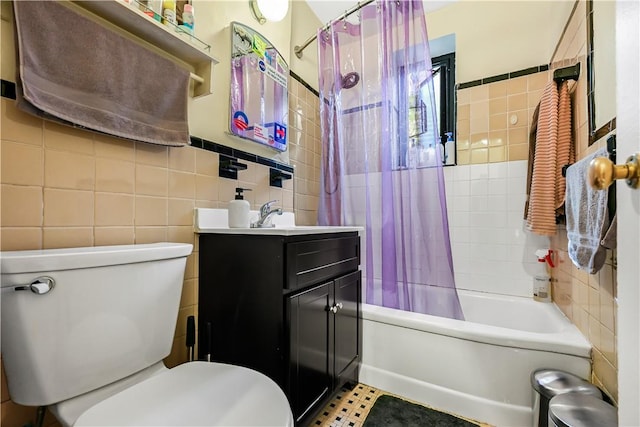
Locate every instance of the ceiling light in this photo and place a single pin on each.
(269, 10)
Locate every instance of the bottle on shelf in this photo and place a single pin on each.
(169, 12)
(188, 20)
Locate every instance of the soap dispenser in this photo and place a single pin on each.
(239, 210)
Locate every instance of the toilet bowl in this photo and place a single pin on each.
(85, 330)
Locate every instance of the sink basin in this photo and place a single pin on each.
(216, 221)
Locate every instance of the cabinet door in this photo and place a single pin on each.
(348, 330)
(309, 375)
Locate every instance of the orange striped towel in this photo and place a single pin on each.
(553, 149)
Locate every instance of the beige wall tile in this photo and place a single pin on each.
(181, 211)
(151, 211)
(498, 138)
(207, 163)
(189, 295)
(181, 324)
(518, 136)
(181, 234)
(478, 93)
(66, 138)
(497, 89)
(20, 238)
(464, 112)
(14, 415)
(206, 187)
(497, 154)
(517, 102)
(113, 209)
(464, 157)
(68, 208)
(463, 96)
(518, 152)
(3, 383)
(114, 148)
(152, 181)
(478, 111)
(183, 158)
(19, 126)
(517, 85)
(69, 170)
(22, 164)
(497, 105)
(150, 234)
(182, 185)
(151, 154)
(21, 206)
(537, 81)
(521, 119)
(479, 140)
(115, 176)
(498, 122)
(479, 125)
(479, 155)
(107, 236)
(67, 237)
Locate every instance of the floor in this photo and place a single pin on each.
(350, 408)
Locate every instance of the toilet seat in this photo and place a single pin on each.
(195, 394)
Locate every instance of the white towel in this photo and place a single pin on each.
(587, 216)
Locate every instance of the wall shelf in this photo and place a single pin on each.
(186, 50)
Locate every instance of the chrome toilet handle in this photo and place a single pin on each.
(39, 286)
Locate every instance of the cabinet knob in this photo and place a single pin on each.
(334, 309)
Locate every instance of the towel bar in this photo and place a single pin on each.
(196, 78)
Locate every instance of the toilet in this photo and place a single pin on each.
(85, 330)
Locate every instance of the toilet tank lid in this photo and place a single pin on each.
(46, 260)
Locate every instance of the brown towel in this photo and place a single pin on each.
(532, 155)
(81, 72)
(553, 149)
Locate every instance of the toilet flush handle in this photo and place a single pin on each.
(40, 286)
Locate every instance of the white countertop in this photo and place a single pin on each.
(216, 221)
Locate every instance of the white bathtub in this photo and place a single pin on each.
(478, 368)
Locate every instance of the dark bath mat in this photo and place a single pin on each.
(389, 411)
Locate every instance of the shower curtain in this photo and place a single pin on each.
(381, 155)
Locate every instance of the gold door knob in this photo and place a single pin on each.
(602, 172)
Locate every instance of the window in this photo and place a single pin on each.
(416, 143)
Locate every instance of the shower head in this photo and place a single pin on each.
(349, 80)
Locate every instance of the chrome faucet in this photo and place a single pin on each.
(264, 221)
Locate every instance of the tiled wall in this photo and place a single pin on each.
(494, 119)
(493, 125)
(63, 187)
(304, 150)
(588, 300)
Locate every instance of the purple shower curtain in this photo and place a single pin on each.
(377, 170)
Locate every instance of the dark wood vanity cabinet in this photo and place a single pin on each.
(287, 306)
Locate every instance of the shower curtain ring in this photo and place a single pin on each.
(344, 21)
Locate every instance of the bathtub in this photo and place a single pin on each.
(478, 368)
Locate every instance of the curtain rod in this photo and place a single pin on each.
(298, 49)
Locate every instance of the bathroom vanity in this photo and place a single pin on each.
(286, 302)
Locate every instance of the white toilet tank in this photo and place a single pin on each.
(111, 312)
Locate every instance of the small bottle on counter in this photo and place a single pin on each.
(239, 210)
